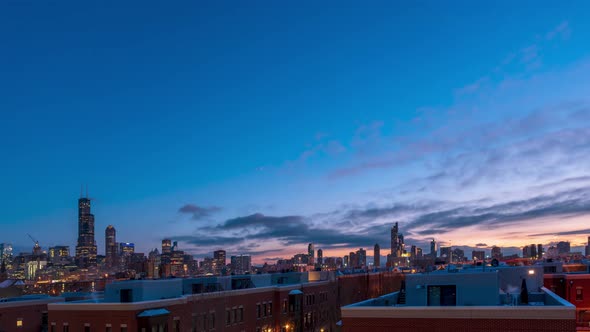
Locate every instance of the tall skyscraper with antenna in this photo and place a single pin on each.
(86, 247)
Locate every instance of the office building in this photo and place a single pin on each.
(320, 257)
(563, 247)
(86, 246)
(111, 256)
(241, 264)
(311, 254)
(533, 251)
(478, 255)
(433, 250)
(397, 242)
(5, 253)
(166, 251)
(377, 255)
(219, 261)
(362, 257)
(445, 253)
(496, 252)
(540, 251)
(59, 254)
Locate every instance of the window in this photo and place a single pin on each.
(240, 314)
(204, 321)
(86, 328)
(227, 317)
(285, 305)
(269, 309)
(579, 294)
(109, 329)
(52, 328)
(212, 322)
(264, 309)
(176, 325)
(124, 328)
(442, 295)
(258, 310)
(19, 322)
(66, 328)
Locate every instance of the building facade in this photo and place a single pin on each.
(86, 246)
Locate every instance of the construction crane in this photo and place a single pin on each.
(34, 241)
(37, 247)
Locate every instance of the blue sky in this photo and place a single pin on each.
(214, 123)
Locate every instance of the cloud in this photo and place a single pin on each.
(198, 212)
(562, 30)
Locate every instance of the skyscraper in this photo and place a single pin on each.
(496, 252)
(362, 257)
(166, 251)
(563, 247)
(320, 257)
(110, 243)
(377, 255)
(445, 252)
(397, 242)
(533, 251)
(5, 253)
(540, 251)
(310, 253)
(86, 247)
(219, 261)
(433, 248)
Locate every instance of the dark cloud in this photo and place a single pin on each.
(355, 227)
(198, 212)
(571, 202)
(574, 232)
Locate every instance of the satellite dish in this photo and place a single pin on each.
(495, 262)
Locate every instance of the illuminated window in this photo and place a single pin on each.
(19, 322)
(579, 294)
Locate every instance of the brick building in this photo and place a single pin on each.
(574, 288)
(308, 301)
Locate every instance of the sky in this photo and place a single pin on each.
(259, 127)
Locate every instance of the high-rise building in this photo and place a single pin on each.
(563, 247)
(362, 257)
(5, 253)
(457, 256)
(346, 261)
(126, 248)
(433, 251)
(320, 257)
(526, 252)
(59, 254)
(419, 252)
(397, 242)
(219, 261)
(110, 244)
(86, 247)
(377, 255)
(166, 251)
(311, 254)
(445, 252)
(496, 252)
(533, 251)
(241, 264)
(478, 255)
(540, 251)
(588, 247)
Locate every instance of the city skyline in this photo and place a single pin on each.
(461, 124)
